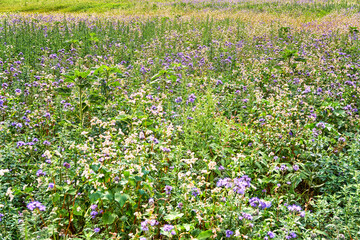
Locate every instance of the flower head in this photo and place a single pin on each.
(168, 189)
(195, 192)
(167, 228)
(271, 234)
(40, 173)
(296, 167)
(67, 165)
(229, 233)
(35, 204)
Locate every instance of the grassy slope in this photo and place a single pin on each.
(165, 7)
(74, 6)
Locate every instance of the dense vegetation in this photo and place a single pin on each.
(308, 8)
(181, 127)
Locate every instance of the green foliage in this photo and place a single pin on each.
(176, 128)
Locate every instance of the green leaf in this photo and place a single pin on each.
(71, 191)
(56, 197)
(84, 85)
(321, 232)
(29, 189)
(120, 75)
(205, 234)
(310, 125)
(95, 167)
(121, 198)
(79, 74)
(340, 113)
(94, 196)
(85, 107)
(108, 218)
(126, 174)
(115, 84)
(69, 78)
(300, 59)
(77, 211)
(187, 226)
(95, 98)
(122, 117)
(108, 196)
(173, 215)
(65, 91)
(329, 127)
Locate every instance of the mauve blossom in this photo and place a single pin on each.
(168, 189)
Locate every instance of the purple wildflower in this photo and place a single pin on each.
(191, 98)
(283, 167)
(40, 173)
(293, 235)
(93, 214)
(271, 234)
(168, 228)
(20, 144)
(168, 189)
(229, 233)
(296, 167)
(320, 125)
(195, 192)
(245, 216)
(178, 100)
(294, 208)
(67, 165)
(144, 226)
(256, 202)
(35, 204)
(165, 149)
(264, 204)
(153, 222)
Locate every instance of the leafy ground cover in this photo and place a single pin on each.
(215, 127)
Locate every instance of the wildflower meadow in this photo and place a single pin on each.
(184, 119)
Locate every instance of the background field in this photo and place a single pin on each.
(313, 8)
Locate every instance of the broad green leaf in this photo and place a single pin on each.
(94, 196)
(121, 198)
(108, 195)
(187, 226)
(173, 215)
(65, 91)
(205, 234)
(108, 218)
(77, 210)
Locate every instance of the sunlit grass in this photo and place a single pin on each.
(308, 9)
